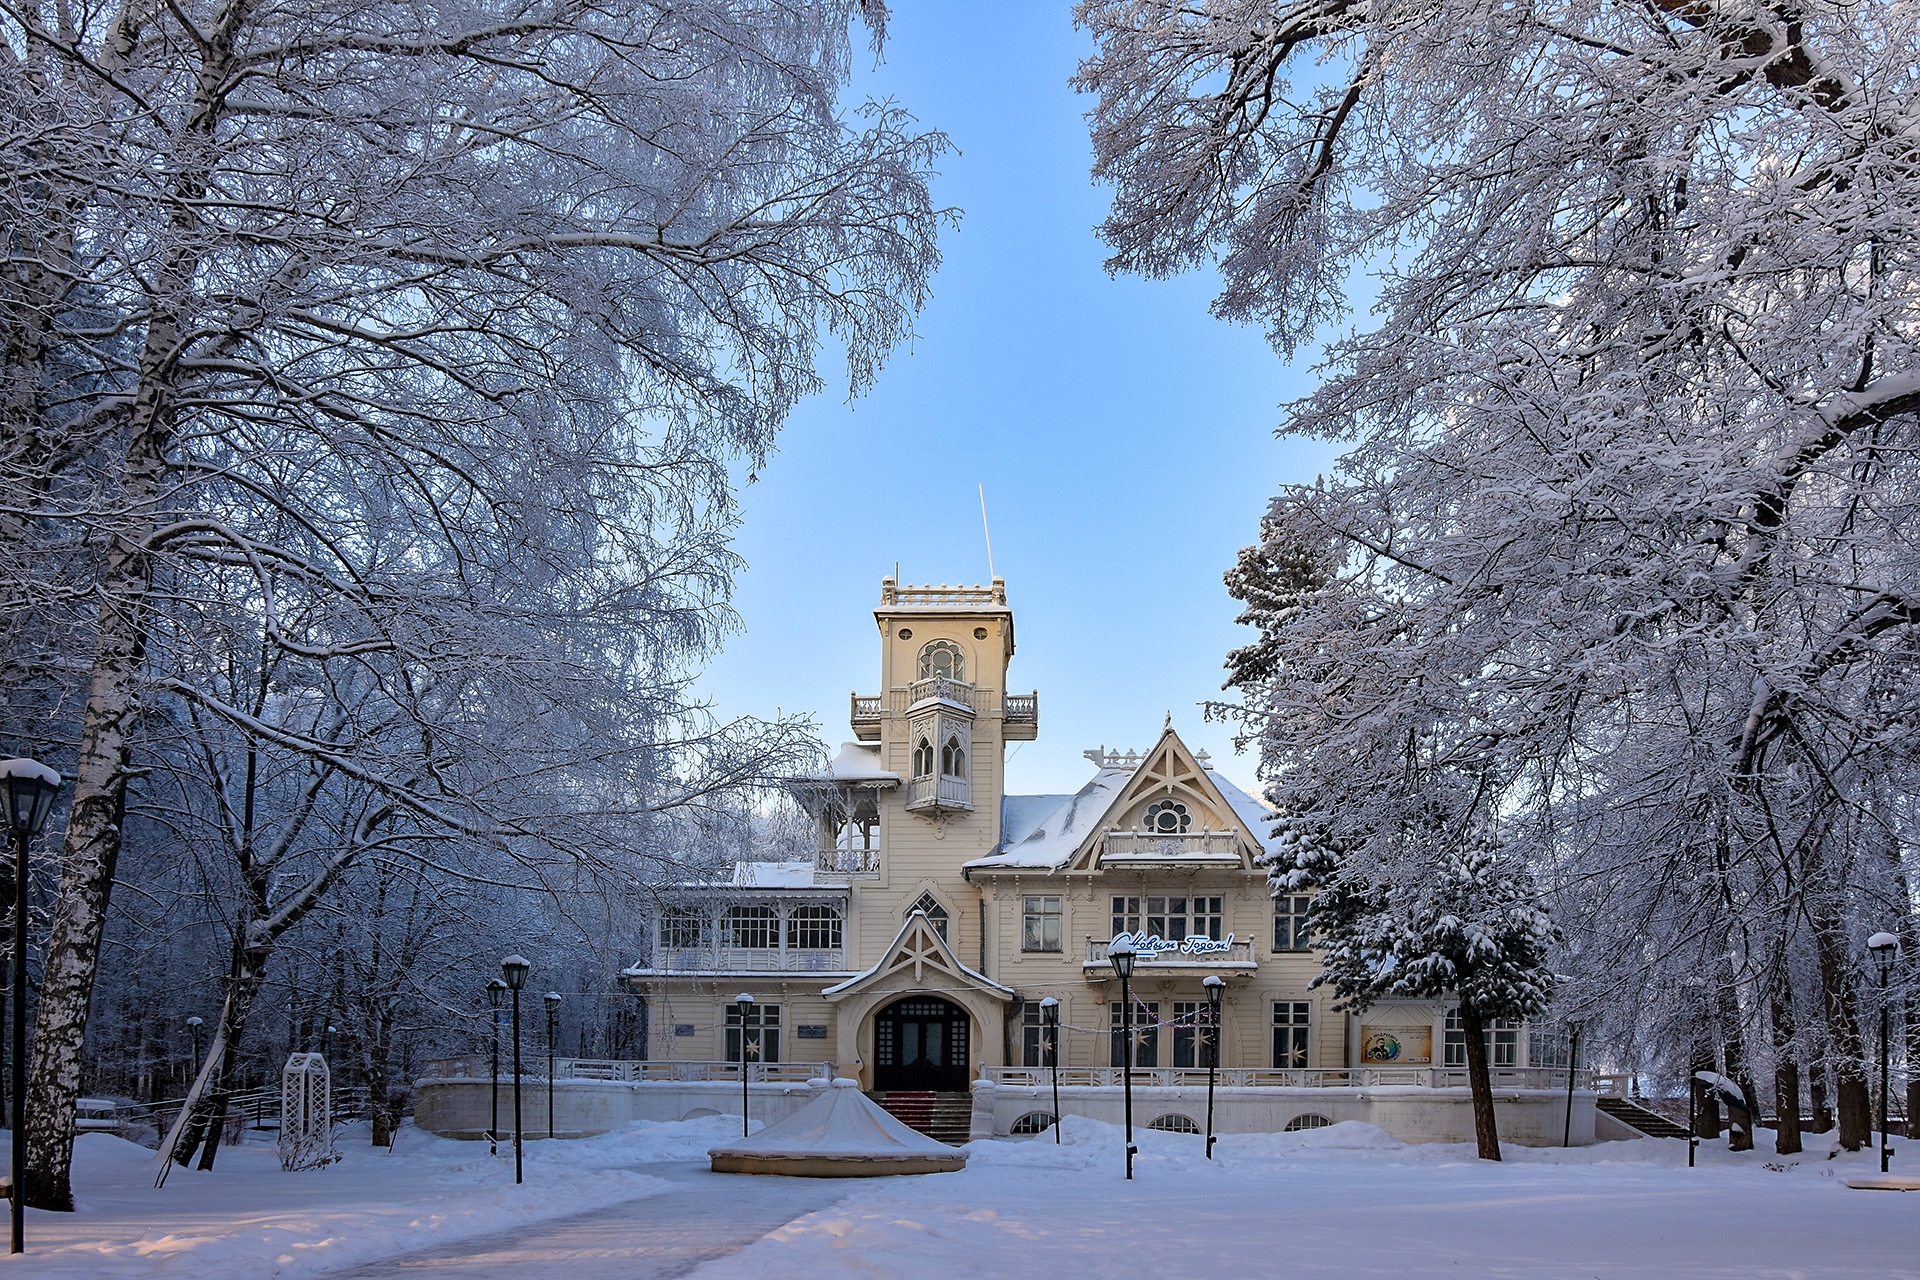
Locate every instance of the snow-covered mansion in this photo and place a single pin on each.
(914, 950)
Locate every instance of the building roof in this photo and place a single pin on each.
(1044, 832)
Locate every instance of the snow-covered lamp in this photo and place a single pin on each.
(30, 788)
(553, 1001)
(515, 969)
(1884, 945)
(1121, 954)
(495, 990)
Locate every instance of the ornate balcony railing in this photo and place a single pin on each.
(750, 960)
(943, 595)
(955, 693)
(869, 709)
(1236, 951)
(941, 793)
(834, 864)
(1279, 1078)
(1156, 846)
(1021, 708)
(476, 1066)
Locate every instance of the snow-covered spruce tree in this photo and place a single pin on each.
(1631, 488)
(399, 355)
(1422, 911)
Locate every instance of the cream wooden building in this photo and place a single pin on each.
(914, 950)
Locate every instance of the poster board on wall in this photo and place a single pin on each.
(1396, 1046)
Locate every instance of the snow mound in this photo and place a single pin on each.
(841, 1133)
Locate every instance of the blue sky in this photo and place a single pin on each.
(1124, 436)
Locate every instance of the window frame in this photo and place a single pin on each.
(1292, 1035)
(750, 920)
(808, 922)
(675, 919)
(762, 1021)
(1146, 1026)
(923, 664)
(1032, 942)
(1296, 936)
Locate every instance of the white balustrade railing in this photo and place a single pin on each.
(868, 708)
(1155, 844)
(752, 960)
(958, 693)
(1282, 1078)
(477, 1066)
(1021, 708)
(847, 862)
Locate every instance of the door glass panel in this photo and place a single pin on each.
(909, 1043)
(935, 1042)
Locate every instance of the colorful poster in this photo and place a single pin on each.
(1396, 1046)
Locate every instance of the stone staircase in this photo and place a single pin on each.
(1648, 1122)
(944, 1117)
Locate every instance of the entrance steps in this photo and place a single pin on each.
(1648, 1122)
(944, 1117)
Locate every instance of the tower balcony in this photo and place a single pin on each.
(869, 711)
(938, 795)
(1020, 717)
(940, 691)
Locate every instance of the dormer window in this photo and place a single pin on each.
(1167, 817)
(923, 759)
(943, 658)
(953, 758)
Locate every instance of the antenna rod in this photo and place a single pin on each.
(986, 530)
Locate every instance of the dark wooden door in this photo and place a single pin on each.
(921, 1043)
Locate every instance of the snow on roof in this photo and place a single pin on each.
(1251, 810)
(859, 762)
(1051, 837)
(1044, 831)
(772, 875)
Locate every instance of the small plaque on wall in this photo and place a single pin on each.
(1396, 1046)
(683, 1028)
(811, 1032)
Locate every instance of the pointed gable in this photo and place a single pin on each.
(917, 957)
(1214, 823)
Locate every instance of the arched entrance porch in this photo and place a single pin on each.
(921, 1042)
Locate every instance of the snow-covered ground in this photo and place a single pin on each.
(1344, 1201)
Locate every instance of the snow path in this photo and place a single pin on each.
(707, 1216)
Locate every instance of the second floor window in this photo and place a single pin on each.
(1177, 919)
(953, 759)
(1126, 915)
(1040, 923)
(923, 759)
(1290, 922)
(751, 927)
(813, 929)
(684, 928)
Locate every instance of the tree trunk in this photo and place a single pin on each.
(1706, 1098)
(1739, 1129)
(1817, 1099)
(1786, 1078)
(1486, 1133)
(1843, 1030)
(242, 987)
(379, 1097)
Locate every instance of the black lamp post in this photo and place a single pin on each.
(193, 1029)
(1215, 985)
(1120, 954)
(29, 791)
(1573, 1061)
(1050, 1027)
(496, 989)
(744, 1003)
(515, 969)
(1884, 946)
(553, 1007)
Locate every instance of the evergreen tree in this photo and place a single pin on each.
(1464, 924)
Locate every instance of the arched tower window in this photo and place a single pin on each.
(923, 759)
(936, 914)
(1168, 817)
(943, 658)
(953, 759)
